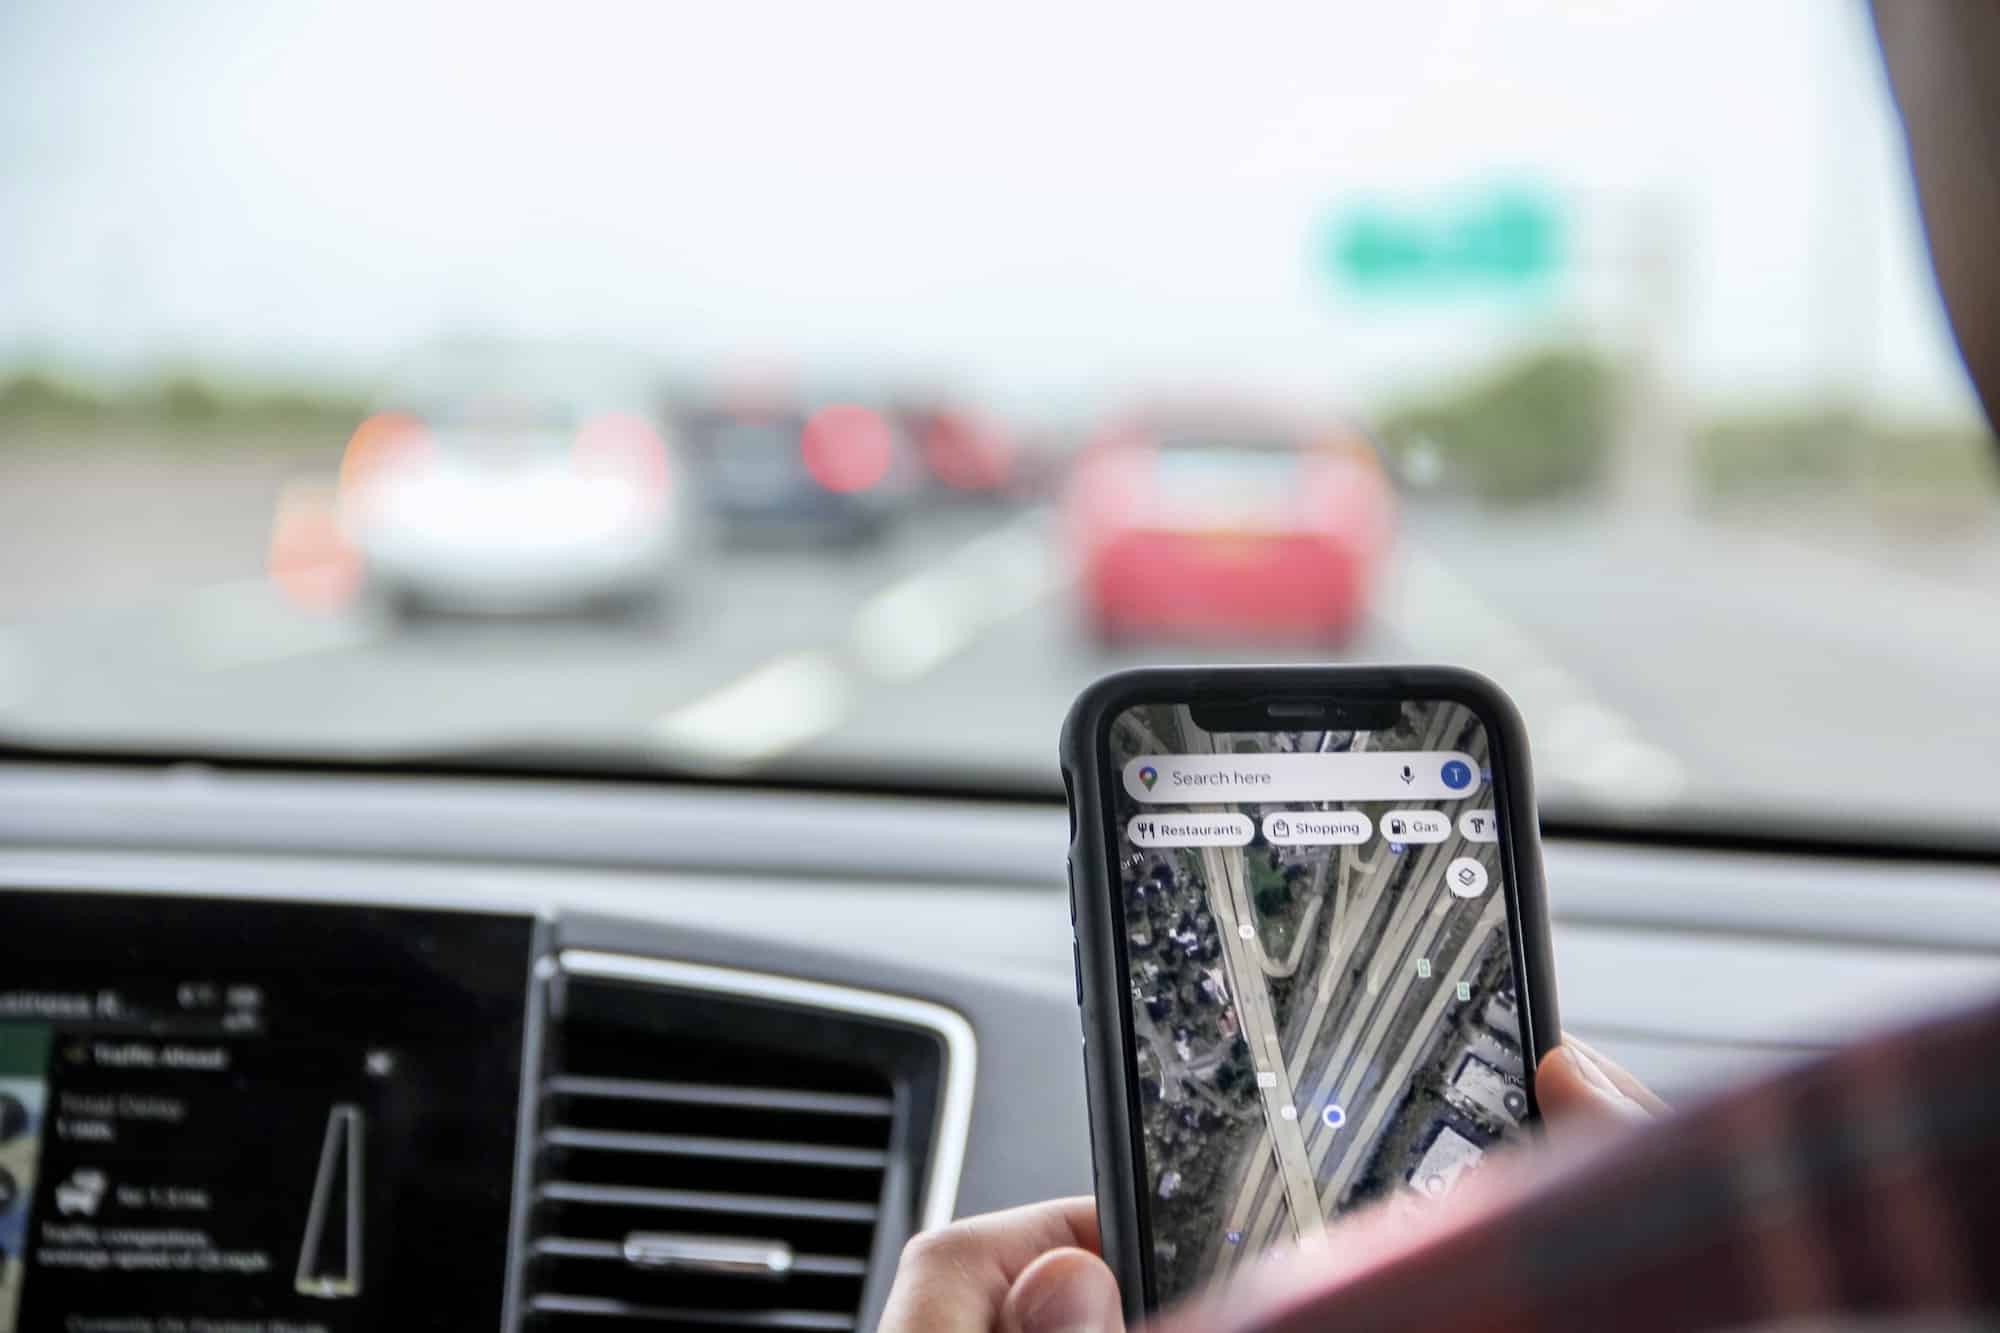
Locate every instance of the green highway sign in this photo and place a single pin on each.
(1498, 239)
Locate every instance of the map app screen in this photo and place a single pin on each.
(1319, 959)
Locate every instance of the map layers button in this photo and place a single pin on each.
(1465, 877)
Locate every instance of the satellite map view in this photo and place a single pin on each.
(1322, 992)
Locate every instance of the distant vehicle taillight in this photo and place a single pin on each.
(965, 452)
(847, 448)
(623, 446)
(386, 443)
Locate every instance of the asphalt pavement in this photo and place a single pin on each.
(1658, 659)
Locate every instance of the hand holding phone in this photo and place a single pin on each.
(1313, 955)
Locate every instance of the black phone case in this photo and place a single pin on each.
(1097, 911)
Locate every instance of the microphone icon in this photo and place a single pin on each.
(1408, 774)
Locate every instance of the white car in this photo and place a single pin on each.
(497, 497)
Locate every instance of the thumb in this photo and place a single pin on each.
(1571, 1086)
(1064, 1291)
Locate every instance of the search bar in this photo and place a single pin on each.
(1387, 775)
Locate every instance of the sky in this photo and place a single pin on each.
(1036, 201)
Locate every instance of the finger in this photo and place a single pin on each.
(1064, 1291)
(1618, 1074)
(955, 1279)
(1570, 1088)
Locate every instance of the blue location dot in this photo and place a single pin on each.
(1457, 774)
(1396, 848)
(1334, 1116)
(1233, 1237)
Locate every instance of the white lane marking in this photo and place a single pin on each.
(246, 622)
(914, 626)
(779, 705)
(910, 627)
(1578, 741)
(905, 630)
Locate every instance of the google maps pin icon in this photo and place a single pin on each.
(1149, 776)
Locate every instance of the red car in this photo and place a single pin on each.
(965, 452)
(1226, 526)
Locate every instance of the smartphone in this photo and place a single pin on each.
(1312, 951)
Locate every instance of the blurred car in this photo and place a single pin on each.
(515, 484)
(839, 473)
(965, 453)
(1227, 525)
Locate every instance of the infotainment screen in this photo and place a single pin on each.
(254, 1116)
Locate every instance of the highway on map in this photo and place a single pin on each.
(1224, 873)
(1293, 1175)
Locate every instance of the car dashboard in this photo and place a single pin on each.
(299, 1049)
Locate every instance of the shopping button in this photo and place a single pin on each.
(1416, 826)
(1317, 828)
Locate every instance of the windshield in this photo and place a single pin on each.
(1589, 345)
(1197, 464)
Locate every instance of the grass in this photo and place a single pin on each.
(173, 408)
(1537, 427)
(1542, 427)
(1815, 452)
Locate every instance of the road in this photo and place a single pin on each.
(1655, 659)
(1369, 1114)
(1349, 933)
(1223, 872)
(1398, 910)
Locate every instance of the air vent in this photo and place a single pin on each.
(723, 1150)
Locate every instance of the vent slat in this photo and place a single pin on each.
(819, 1321)
(699, 1145)
(715, 1094)
(706, 1201)
(711, 1162)
(818, 1265)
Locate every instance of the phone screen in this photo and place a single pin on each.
(1320, 964)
